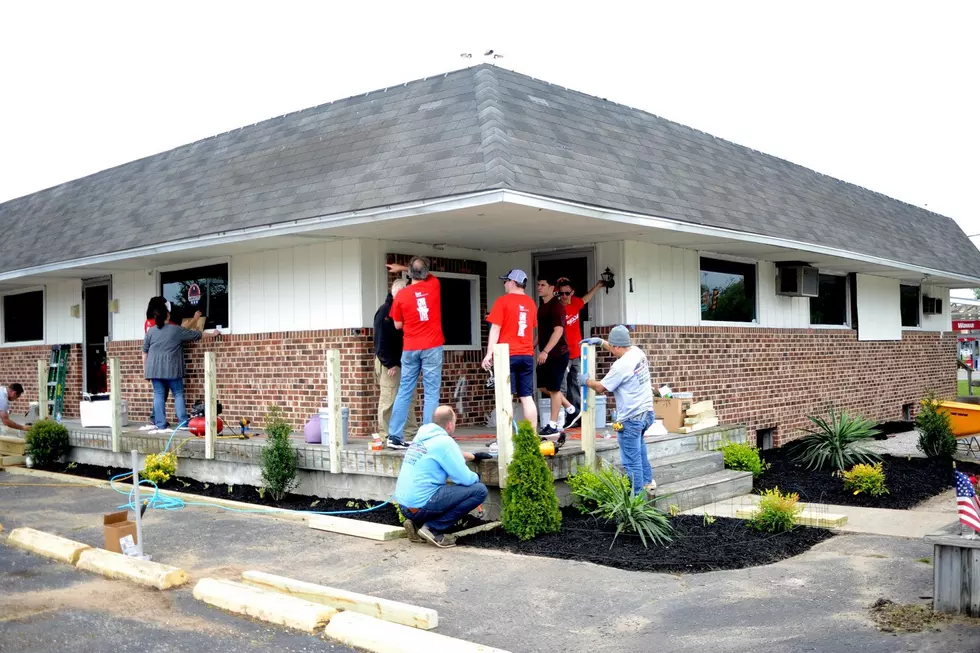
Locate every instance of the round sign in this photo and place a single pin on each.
(194, 294)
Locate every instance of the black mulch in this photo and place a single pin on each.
(696, 547)
(889, 428)
(909, 481)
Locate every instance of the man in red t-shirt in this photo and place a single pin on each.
(570, 389)
(417, 311)
(512, 319)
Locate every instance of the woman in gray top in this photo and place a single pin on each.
(163, 345)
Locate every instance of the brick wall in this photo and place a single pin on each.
(774, 378)
(19, 365)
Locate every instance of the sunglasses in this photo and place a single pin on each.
(565, 294)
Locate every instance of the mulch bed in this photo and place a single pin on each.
(697, 546)
(909, 481)
(890, 428)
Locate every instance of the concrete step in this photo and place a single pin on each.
(670, 444)
(701, 490)
(671, 469)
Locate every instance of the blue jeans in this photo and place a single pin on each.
(447, 506)
(428, 363)
(633, 451)
(160, 389)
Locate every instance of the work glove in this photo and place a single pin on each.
(481, 455)
(582, 378)
(593, 341)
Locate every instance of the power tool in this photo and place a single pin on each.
(243, 425)
(197, 424)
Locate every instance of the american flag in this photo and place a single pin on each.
(966, 502)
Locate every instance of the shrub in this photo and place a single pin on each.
(585, 482)
(616, 502)
(278, 456)
(936, 438)
(869, 479)
(777, 511)
(743, 457)
(160, 467)
(530, 506)
(46, 442)
(837, 443)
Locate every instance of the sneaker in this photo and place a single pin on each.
(571, 417)
(441, 540)
(651, 488)
(549, 430)
(413, 534)
(397, 444)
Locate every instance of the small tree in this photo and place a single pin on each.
(46, 442)
(278, 456)
(936, 439)
(530, 505)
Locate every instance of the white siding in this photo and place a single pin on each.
(133, 290)
(939, 322)
(60, 327)
(879, 311)
(777, 311)
(666, 283)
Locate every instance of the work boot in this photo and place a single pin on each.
(441, 540)
(413, 534)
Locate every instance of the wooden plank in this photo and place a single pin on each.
(706, 424)
(815, 519)
(357, 528)
(589, 361)
(700, 407)
(708, 414)
(11, 446)
(42, 389)
(974, 604)
(272, 607)
(489, 526)
(504, 411)
(141, 572)
(10, 461)
(369, 634)
(372, 606)
(47, 545)
(333, 404)
(210, 404)
(115, 397)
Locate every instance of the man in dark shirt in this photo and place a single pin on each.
(387, 365)
(552, 350)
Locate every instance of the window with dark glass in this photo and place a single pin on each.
(459, 296)
(910, 305)
(830, 307)
(727, 291)
(23, 317)
(203, 289)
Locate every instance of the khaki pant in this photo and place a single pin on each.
(389, 390)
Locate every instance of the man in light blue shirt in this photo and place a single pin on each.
(629, 381)
(430, 506)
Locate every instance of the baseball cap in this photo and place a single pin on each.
(515, 275)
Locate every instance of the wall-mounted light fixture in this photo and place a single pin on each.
(113, 305)
(75, 310)
(608, 279)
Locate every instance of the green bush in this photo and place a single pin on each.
(836, 443)
(615, 502)
(936, 438)
(586, 483)
(777, 512)
(869, 479)
(743, 457)
(278, 456)
(530, 505)
(46, 442)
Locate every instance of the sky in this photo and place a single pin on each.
(881, 94)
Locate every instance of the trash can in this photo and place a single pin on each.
(325, 425)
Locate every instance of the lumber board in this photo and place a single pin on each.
(372, 606)
(691, 421)
(503, 411)
(141, 572)
(47, 545)
(271, 607)
(706, 424)
(489, 526)
(816, 519)
(357, 528)
(370, 634)
(12, 446)
(700, 407)
(10, 461)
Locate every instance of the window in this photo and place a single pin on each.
(910, 305)
(727, 291)
(830, 307)
(23, 317)
(460, 304)
(202, 289)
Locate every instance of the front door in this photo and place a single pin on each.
(577, 266)
(95, 313)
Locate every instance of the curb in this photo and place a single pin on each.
(47, 545)
(264, 605)
(378, 636)
(142, 572)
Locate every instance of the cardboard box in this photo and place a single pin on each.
(671, 411)
(194, 324)
(115, 526)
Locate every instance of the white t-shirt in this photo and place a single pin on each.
(629, 381)
(4, 400)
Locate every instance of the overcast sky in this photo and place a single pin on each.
(878, 94)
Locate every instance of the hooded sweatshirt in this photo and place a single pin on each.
(433, 457)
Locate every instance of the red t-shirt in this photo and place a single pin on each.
(147, 325)
(516, 315)
(573, 327)
(418, 307)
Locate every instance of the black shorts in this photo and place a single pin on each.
(551, 374)
(522, 376)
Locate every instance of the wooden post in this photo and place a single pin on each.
(505, 411)
(115, 398)
(42, 389)
(210, 403)
(333, 405)
(588, 409)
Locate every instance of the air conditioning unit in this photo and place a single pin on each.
(931, 305)
(797, 280)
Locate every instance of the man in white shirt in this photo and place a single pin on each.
(13, 392)
(629, 381)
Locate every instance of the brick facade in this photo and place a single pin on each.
(774, 378)
(19, 365)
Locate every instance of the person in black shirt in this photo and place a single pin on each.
(387, 365)
(552, 350)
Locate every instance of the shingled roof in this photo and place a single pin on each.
(475, 129)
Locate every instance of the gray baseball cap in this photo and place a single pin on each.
(515, 275)
(619, 336)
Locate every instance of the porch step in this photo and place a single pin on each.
(11, 446)
(671, 469)
(701, 490)
(670, 444)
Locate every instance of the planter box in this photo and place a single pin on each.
(956, 572)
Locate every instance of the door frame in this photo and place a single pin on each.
(556, 255)
(94, 282)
